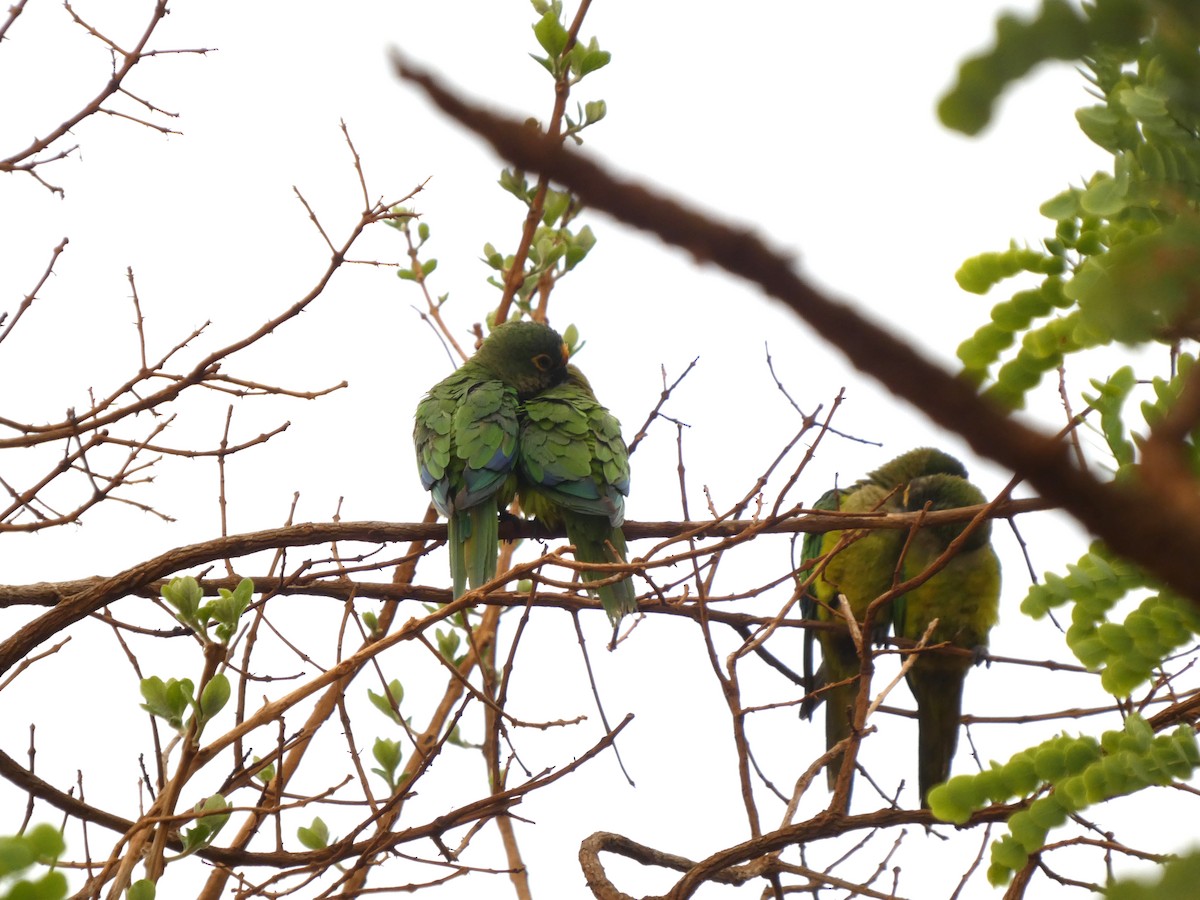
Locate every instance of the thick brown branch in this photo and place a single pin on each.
(152, 571)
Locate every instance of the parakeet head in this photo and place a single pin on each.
(528, 355)
(916, 463)
(948, 492)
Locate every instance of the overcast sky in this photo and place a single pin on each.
(811, 123)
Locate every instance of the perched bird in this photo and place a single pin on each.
(574, 471)
(466, 437)
(861, 571)
(965, 599)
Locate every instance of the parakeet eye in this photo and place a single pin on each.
(543, 362)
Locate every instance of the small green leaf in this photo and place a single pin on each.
(315, 836)
(184, 594)
(206, 828)
(169, 699)
(142, 889)
(550, 34)
(266, 773)
(214, 696)
(389, 702)
(372, 622)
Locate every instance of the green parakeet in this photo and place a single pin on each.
(861, 572)
(965, 599)
(574, 472)
(466, 437)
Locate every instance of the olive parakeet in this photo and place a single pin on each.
(861, 571)
(466, 437)
(574, 471)
(965, 599)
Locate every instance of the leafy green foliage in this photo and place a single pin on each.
(42, 844)
(266, 773)
(185, 596)
(227, 609)
(142, 889)
(388, 754)
(388, 702)
(1068, 774)
(1058, 31)
(315, 836)
(170, 699)
(1126, 652)
(1177, 881)
(556, 246)
(1122, 264)
(448, 643)
(214, 812)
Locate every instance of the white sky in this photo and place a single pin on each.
(813, 123)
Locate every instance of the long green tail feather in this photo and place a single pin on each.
(589, 534)
(474, 535)
(938, 692)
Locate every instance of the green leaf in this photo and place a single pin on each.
(169, 699)
(214, 696)
(228, 608)
(388, 702)
(1106, 196)
(315, 836)
(550, 34)
(555, 205)
(184, 594)
(266, 773)
(142, 889)
(1061, 206)
(205, 829)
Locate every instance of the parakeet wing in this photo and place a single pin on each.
(574, 471)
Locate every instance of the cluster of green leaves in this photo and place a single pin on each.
(42, 844)
(574, 62)
(314, 836)
(172, 699)
(557, 245)
(1128, 652)
(223, 612)
(1069, 774)
(212, 814)
(1122, 263)
(1177, 880)
(402, 220)
(556, 248)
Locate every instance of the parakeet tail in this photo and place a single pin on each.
(839, 707)
(474, 534)
(591, 536)
(939, 709)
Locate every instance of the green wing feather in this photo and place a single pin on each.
(466, 439)
(574, 472)
(965, 599)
